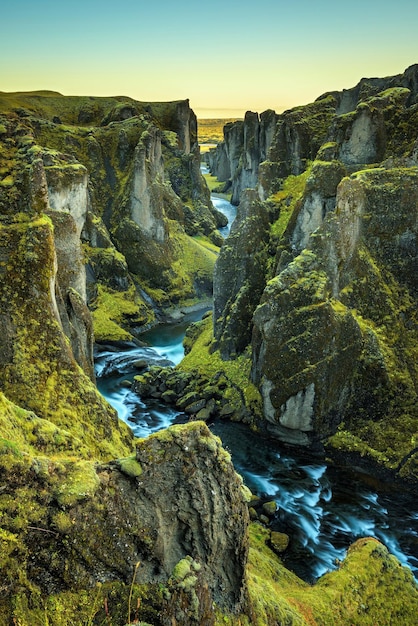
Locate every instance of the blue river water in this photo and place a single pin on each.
(321, 507)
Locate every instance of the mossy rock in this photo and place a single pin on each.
(279, 541)
(130, 467)
(80, 482)
(270, 508)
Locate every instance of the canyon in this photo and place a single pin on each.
(106, 229)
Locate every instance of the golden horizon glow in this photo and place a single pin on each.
(224, 59)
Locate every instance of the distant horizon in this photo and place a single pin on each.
(227, 113)
(225, 59)
(220, 113)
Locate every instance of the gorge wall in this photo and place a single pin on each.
(103, 207)
(235, 161)
(105, 222)
(127, 174)
(324, 291)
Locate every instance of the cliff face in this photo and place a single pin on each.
(169, 518)
(240, 275)
(244, 147)
(263, 149)
(334, 333)
(331, 316)
(46, 326)
(96, 528)
(128, 174)
(170, 528)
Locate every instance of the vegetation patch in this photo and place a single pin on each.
(113, 311)
(212, 130)
(285, 201)
(81, 481)
(207, 363)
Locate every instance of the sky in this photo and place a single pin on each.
(225, 56)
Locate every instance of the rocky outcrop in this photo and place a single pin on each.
(265, 149)
(68, 201)
(334, 330)
(43, 321)
(348, 99)
(245, 146)
(299, 134)
(318, 200)
(170, 521)
(240, 275)
(97, 528)
(128, 174)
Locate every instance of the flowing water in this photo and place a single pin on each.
(222, 205)
(322, 508)
(116, 368)
(227, 209)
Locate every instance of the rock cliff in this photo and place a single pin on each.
(170, 528)
(245, 146)
(326, 291)
(317, 324)
(92, 524)
(128, 174)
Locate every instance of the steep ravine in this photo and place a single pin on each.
(106, 225)
(318, 282)
(323, 507)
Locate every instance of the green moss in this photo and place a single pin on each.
(182, 569)
(188, 279)
(215, 186)
(381, 427)
(370, 587)
(8, 181)
(105, 603)
(206, 243)
(194, 265)
(389, 97)
(110, 312)
(62, 522)
(32, 434)
(345, 441)
(130, 466)
(286, 200)
(80, 482)
(207, 363)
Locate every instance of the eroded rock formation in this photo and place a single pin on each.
(245, 146)
(334, 333)
(170, 517)
(80, 514)
(128, 176)
(319, 312)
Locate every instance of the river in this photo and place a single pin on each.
(323, 508)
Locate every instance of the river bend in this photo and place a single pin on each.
(322, 508)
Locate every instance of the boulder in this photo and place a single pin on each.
(279, 541)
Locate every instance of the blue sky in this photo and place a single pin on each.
(225, 56)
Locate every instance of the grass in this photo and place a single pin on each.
(211, 130)
(214, 185)
(208, 363)
(111, 311)
(293, 188)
